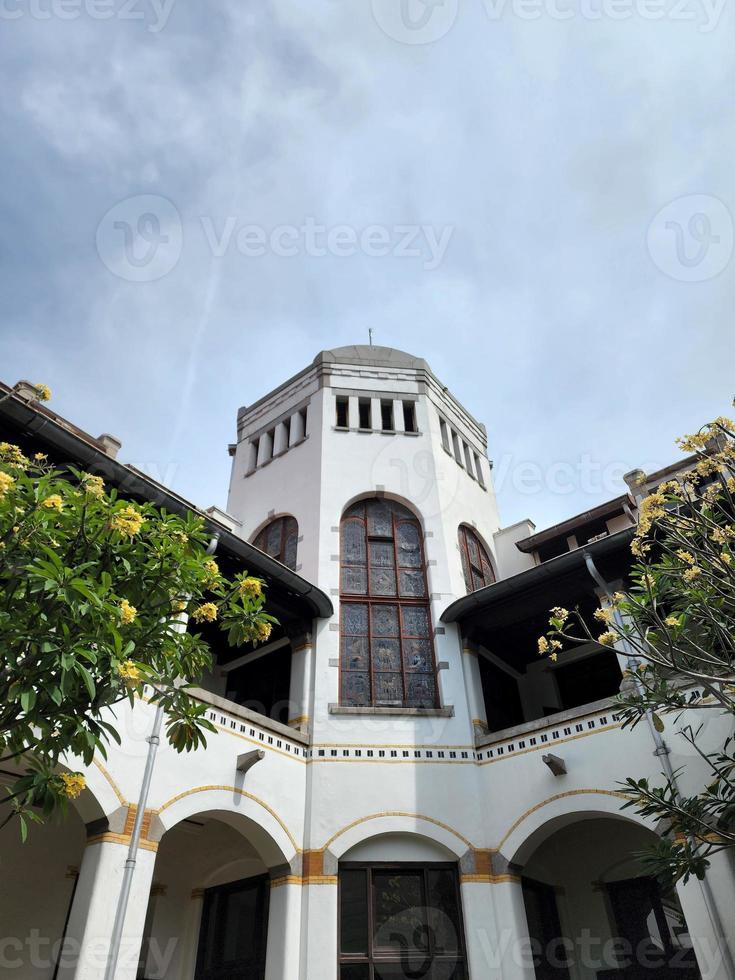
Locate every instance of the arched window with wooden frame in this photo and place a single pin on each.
(387, 652)
(279, 539)
(476, 564)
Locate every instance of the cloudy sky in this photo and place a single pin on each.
(534, 195)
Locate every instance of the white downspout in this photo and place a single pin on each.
(153, 740)
(662, 751)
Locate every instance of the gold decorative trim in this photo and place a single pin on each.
(124, 839)
(304, 646)
(553, 799)
(237, 792)
(296, 880)
(488, 879)
(397, 813)
(303, 720)
(546, 745)
(115, 788)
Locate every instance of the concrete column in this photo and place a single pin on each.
(93, 912)
(700, 920)
(302, 671)
(280, 443)
(319, 933)
(473, 687)
(283, 946)
(496, 931)
(353, 419)
(297, 428)
(252, 457)
(376, 417)
(398, 423)
(265, 449)
(190, 939)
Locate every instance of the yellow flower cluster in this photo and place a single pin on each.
(40, 457)
(72, 784)
(685, 556)
(94, 486)
(608, 639)
(692, 573)
(672, 621)
(604, 615)
(127, 612)
(261, 632)
(54, 502)
(6, 482)
(44, 392)
(127, 521)
(206, 613)
(250, 588)
(722, 535)
(129, 673)
(11, 455)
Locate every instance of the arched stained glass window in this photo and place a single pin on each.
(279, 539)
(476, 564)
(387, 653)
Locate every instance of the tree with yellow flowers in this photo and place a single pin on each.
(94, 591)
(677, 620)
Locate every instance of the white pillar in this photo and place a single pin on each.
(496, 931)
(398, 422)
(299, 696)
(283, 946)
(92, 915)
(473, 687)
(700, 921)
(319, 934)
(353, 418)
(280, 442)
(376, 416)
(190, 939)
(265, 448)
(297, 428)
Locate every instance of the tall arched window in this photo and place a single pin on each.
(279, 539)
(387, 653)
(476, 564)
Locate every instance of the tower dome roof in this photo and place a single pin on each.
(371, 355)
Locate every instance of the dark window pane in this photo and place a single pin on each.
(415, 621)
(421, 690)
(385, 621)
(355, 653)
(441, 899)
(380, 521)
(381, 553)
(355, 688)
(409, 544)
(353, 911)
(354, 618)
(289, 552)
(273, 538)
(417, 656)
(400, 915)
(353, 543)
(354, 971)
(382, 581)
(412, 583)
(388, 687)
(354, 580)
(386, 654)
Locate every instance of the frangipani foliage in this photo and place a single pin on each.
(94, 594)
(677, 623)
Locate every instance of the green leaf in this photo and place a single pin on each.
(87, 678)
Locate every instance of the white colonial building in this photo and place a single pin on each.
(399, 787)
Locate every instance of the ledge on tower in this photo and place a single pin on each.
(365, 354)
